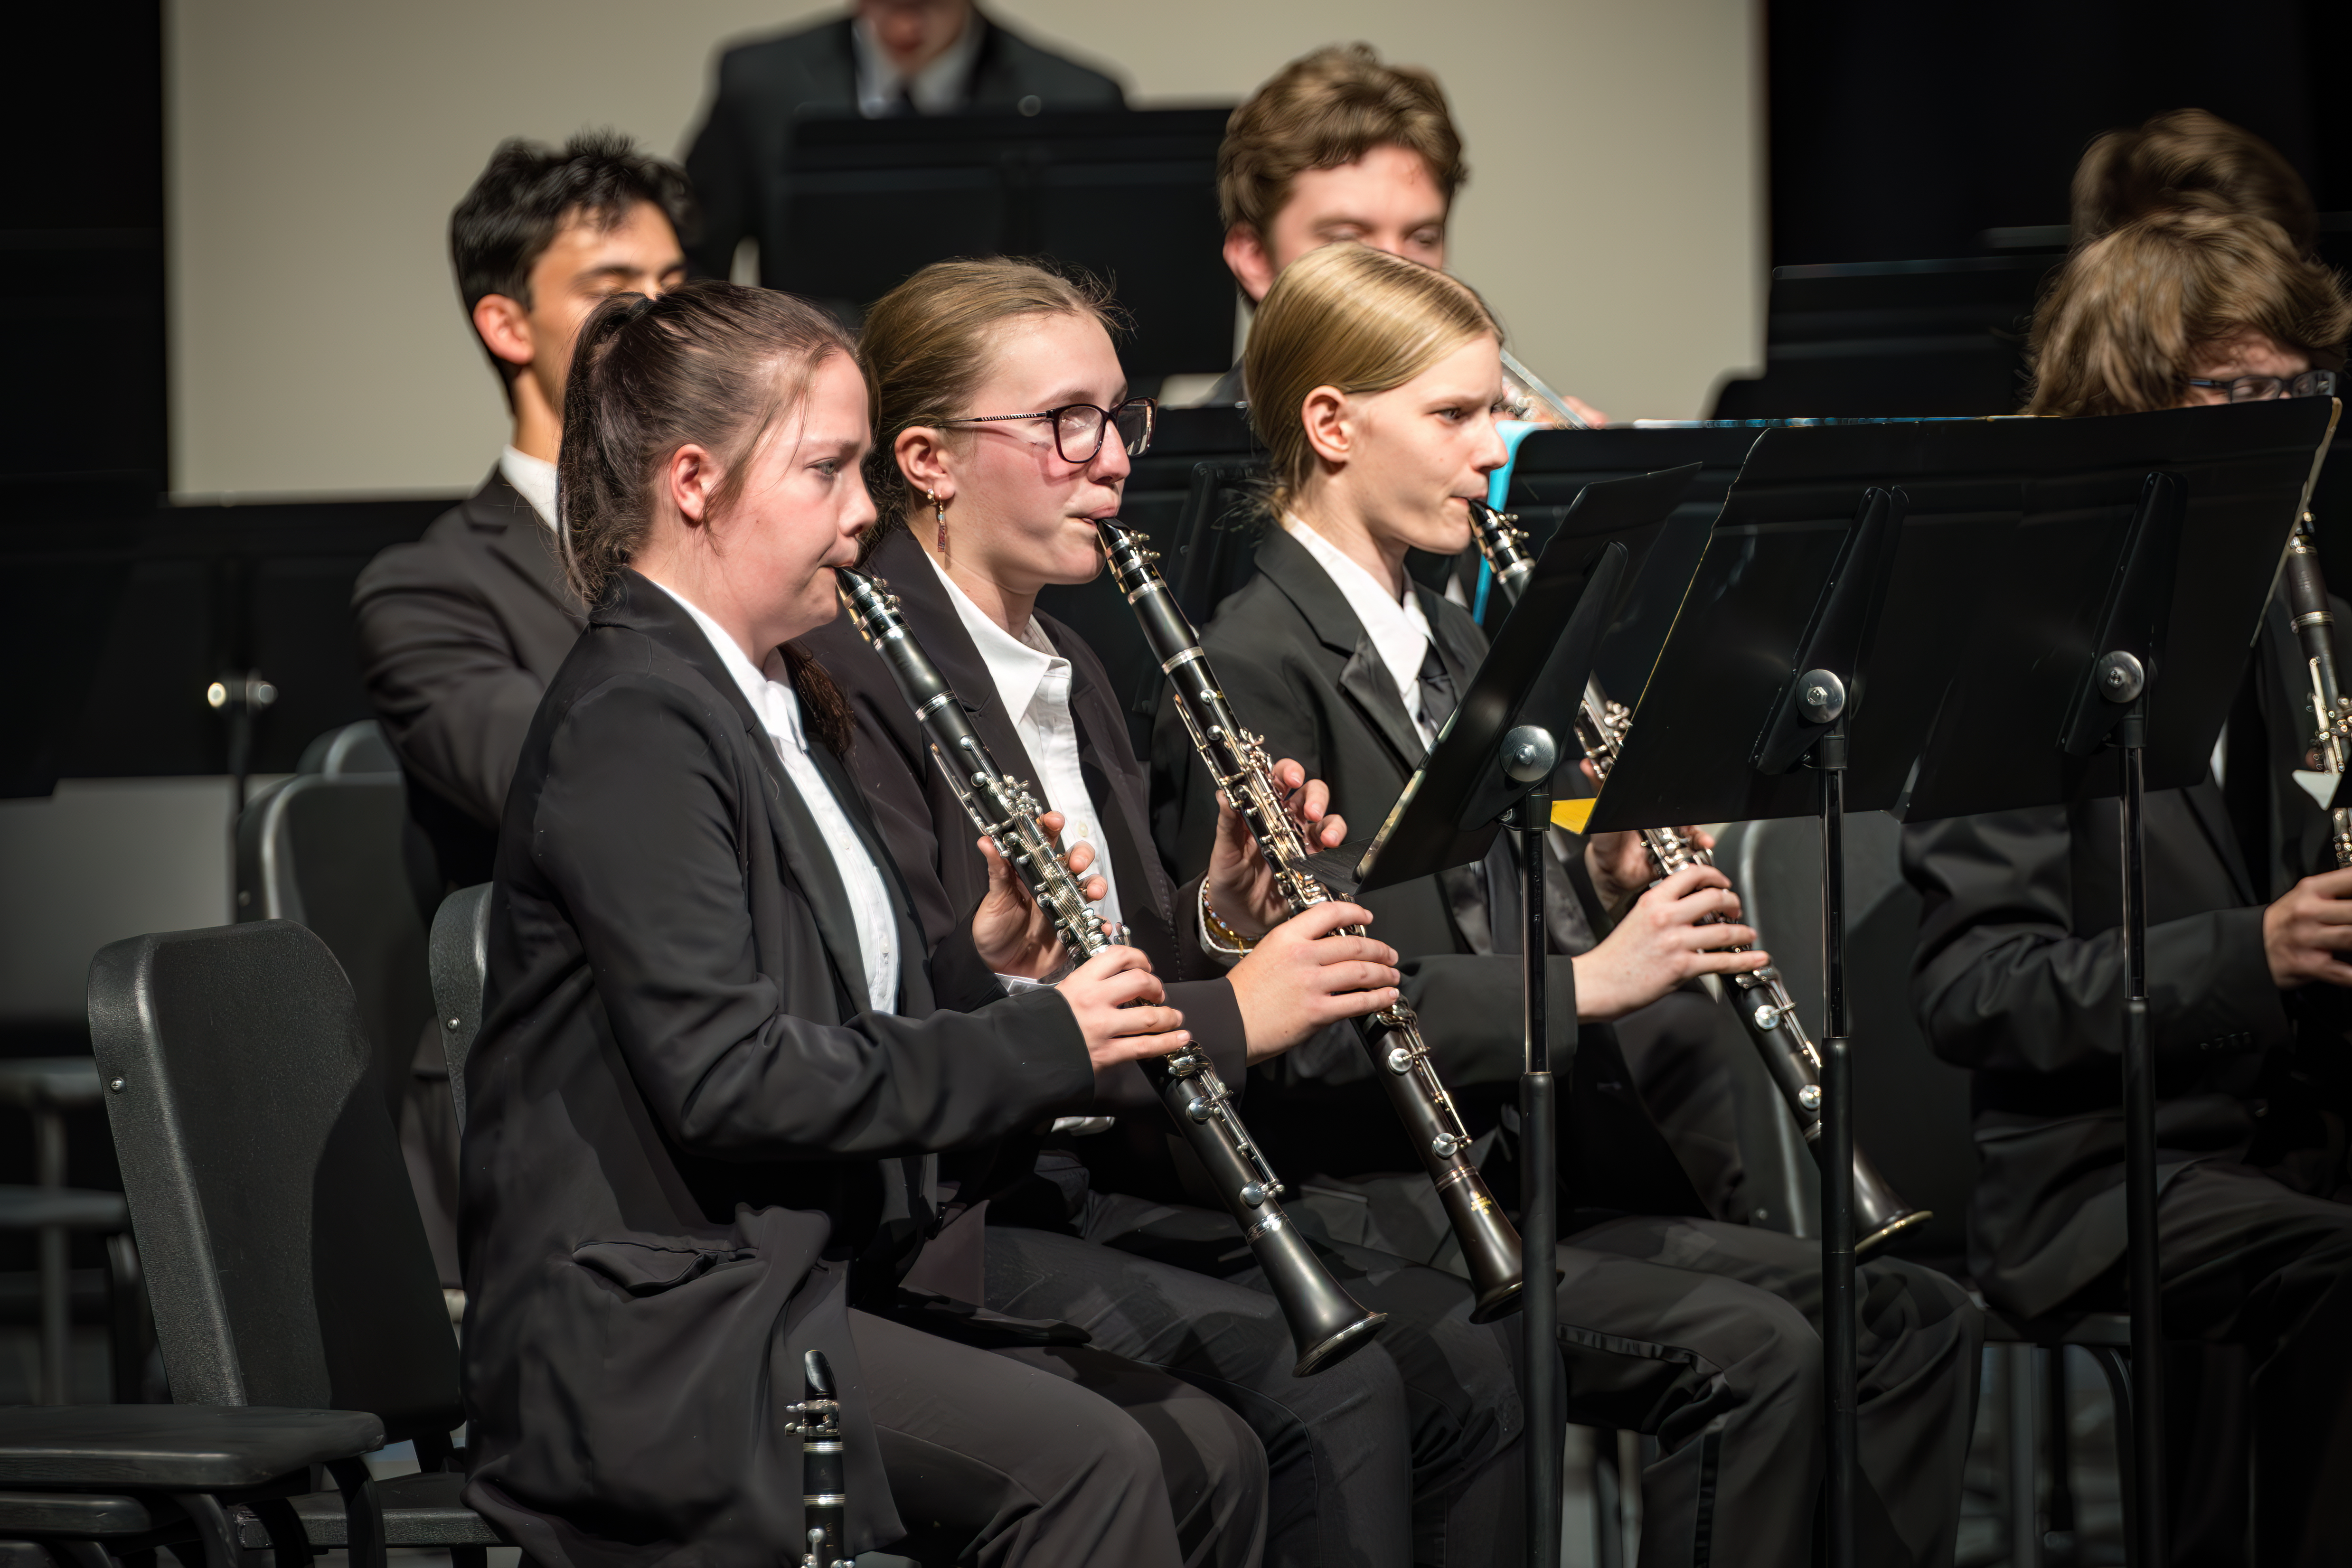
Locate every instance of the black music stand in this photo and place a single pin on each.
(1941, 567)
(2131, 638)
(1491, 769)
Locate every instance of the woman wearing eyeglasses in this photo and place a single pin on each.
(2019, 966)
(1004, 429)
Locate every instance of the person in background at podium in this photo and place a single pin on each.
(886, 57)
(2018, 974)
(459, 633)
(1341, 146)
(1378, 384)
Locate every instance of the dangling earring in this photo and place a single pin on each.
(938, 510)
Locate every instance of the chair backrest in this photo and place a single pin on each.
(1911, 1111)
(326, 850)
(282, 1245)
(461, 957)
(355, 749)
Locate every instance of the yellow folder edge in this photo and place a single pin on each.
(1573, 814)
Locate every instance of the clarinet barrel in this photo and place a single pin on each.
(1326, 1323)
(824, 1497)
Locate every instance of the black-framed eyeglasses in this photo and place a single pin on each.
(1078, 427)
(2263, 389)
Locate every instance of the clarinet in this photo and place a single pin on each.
(1236, 760)
(1326, 1323)
(1764, 1007)
(825, 1502)
(2315, 628)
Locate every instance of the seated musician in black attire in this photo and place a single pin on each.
(1404, 1452)
(459, 633)
(2019, 968)
(716, 1066)
(886, 57)
(1375, 387)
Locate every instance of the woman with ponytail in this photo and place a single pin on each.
(718, 1059)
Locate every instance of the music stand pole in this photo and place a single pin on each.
(1841, 1375)
(2147, 1506)
(1529, 755)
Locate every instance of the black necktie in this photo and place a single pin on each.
(1437, 698)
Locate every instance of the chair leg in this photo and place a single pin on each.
(2059, 1535)
(2024, 1525)
(470, 1557)
(56, 1283)
(362, 1512)
(2115, 1364)
(215, 1530)
(286, 1538)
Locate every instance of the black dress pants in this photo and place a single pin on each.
(1047, 1458)
(2248, 1261)
(1389, 1456)
(1707, 1336)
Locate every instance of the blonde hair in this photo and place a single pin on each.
(928, 343)
(1326, 109)
(2130, 313)
(1349, 317)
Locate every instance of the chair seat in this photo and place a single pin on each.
(2104, 1331)
(75, 1208)
(84, 1514)
(173, 1448)
(419, 1510)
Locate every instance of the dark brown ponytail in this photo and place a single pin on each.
(711, 363)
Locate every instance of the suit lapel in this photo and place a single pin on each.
(915, 996)
(1363, 675)
(648, 609)
(514, 533)
(2213, 813)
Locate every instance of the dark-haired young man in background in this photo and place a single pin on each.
(460, 632)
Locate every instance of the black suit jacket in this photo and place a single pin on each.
(2018, 976)
(933, 841)
(458, 636)
(738, 160)
(685, 1127)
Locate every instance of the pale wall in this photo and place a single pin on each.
(1614, 215)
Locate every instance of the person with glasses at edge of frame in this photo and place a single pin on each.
(1004, 429)
(719, 1056)
(2018, 966)
(1378, 383)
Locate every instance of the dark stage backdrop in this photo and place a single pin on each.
(1906, 131)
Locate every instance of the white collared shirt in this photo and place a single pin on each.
(1399, 631)
(940, 87)
(534, 478)
(1034, 683)
(779, 707)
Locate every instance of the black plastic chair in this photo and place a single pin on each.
(329, 850)
(84, 1483)
(460, 951)
(1911, 1111)
(285, 1255)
